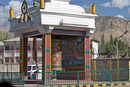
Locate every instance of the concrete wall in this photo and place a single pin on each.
(9, 68)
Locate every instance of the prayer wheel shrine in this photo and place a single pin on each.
(65, 32)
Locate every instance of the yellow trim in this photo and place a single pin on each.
(126, 84)
(103, 85)
(80, 85)
(110, 68)
(22, 52)
(41, 3)
(117, 67)
(87, 85)
(84, 53)
(73, 85)
(110, 65)
(45, 53)
(55, 86)
(11, 13)
(95, 85)
(64, 86)
(112, 84)
(119, 84)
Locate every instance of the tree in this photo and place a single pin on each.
(111, 40)
(102, 45)
(122, 46)
(110, 47)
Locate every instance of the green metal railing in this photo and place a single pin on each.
(15, 78)
(82, 77)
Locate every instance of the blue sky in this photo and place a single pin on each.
(120, 8)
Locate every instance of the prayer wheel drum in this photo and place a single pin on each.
(56, 58)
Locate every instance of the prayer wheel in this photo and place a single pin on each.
(56, 58)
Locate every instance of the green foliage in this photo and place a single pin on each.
(109, 48)
(4, 36)
(111, 40)
(102, 45)
(123, 47)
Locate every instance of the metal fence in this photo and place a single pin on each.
(82, 77)
(15, 78)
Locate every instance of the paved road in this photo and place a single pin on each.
(118, 86)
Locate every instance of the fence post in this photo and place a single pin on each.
(111, 75)
(77, 78)
(110, 68)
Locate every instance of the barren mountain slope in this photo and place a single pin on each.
(111, 25)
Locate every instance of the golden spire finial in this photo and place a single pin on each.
(11, 12)
(93, 8)
(41, 4)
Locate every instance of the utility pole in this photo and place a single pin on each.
(117, 42)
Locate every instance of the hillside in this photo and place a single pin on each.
(106, 25)
(4, 33)
(111, 25)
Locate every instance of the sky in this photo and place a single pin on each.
(118, 8)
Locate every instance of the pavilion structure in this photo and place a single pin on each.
(65, 31)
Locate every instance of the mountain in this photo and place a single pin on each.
(109, 25)
(4, 33)
(106, 25)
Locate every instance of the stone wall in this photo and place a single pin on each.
(9, 68)
(103, 64)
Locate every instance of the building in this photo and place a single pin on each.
(10, 50)
(1, 52)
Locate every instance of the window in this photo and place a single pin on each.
(40, 67)
(17, 48)
(1, 61)
(11, 47)
(39, 59)
(6, 47)
(39, 47)
(6, 60)
(17, 59)
(29, 47)
(11, 60)
(1, 50)
(34, 67)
